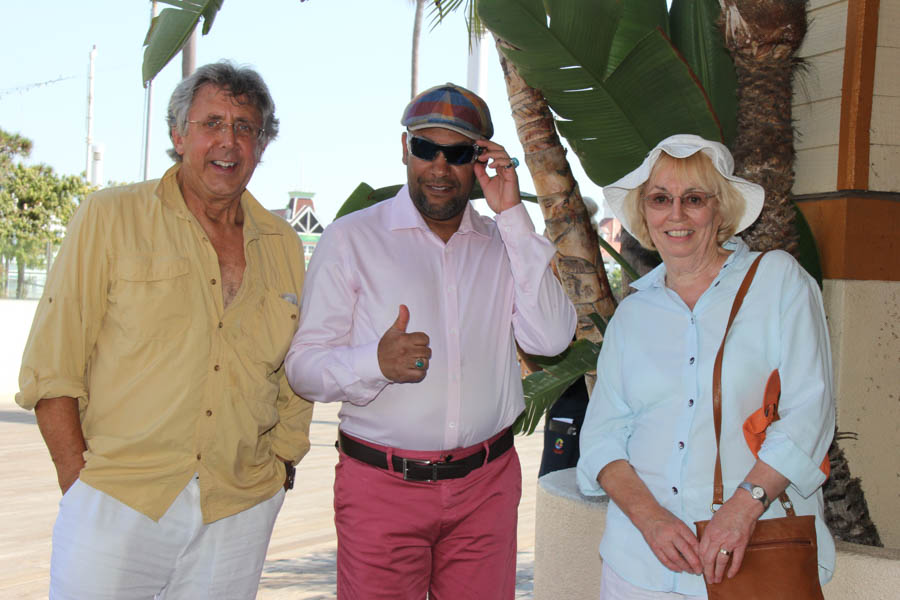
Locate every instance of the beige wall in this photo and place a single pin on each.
(864, 323)
(884, 158)
(817, 98)
(864, 317)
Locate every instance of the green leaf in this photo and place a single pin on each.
(695, 34)
(543, 388)
(626, 266)
(637, 18)
(599, 322)
(807, 252)
(611, 121)
(365, 196)
(170, 30)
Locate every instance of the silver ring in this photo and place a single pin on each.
(420, 363)
(513, 163)
(724, 552)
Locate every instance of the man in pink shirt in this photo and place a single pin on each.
(410, 316)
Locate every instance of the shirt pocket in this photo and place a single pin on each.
(151, 296)
(270, 327)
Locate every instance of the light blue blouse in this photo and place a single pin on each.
(652, 404)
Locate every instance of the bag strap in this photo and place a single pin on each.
(718, 486)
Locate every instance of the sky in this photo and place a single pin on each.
(339, 71)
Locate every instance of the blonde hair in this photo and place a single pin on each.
(699, 169)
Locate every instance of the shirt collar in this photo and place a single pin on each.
(405, 215)
(657, 277)
(257, 220)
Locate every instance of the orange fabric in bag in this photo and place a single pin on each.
(756, 424)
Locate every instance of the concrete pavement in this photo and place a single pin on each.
(300, 561)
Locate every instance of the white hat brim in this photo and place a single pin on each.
(682, 146)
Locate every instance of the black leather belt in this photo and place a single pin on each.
(424, 470)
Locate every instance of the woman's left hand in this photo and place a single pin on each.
(729, 530)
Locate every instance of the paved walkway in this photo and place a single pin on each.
(300, 562)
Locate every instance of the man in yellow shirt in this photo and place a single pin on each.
(154, 364)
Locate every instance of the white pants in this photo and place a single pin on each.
(103, 549)
(613, 587)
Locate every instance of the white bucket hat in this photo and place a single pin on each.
(682, 146)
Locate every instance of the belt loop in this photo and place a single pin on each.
(389, 455)
(487, 451)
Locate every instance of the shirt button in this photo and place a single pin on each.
(293, 316)
(680, 444)
(452, 425)
(691, 402)
(674, 490)
(198, 456)
(209, 413)
(220, 325)
(216, 368)
(692, 360)
(212, 281)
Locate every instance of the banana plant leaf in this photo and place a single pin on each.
(171, 28)
(695, 34)
(365, 196)
(543, 388)
(808, 252)
(607, 69)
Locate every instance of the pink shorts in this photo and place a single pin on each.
(454, 539)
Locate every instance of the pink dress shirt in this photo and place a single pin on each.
(488, 287)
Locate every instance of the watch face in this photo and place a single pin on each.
(758, 492)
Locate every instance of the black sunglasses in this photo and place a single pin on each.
(457, 154)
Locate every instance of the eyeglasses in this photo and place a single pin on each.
(457, 154)
(241, 129)
(689, 200)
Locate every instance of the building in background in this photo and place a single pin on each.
(301, 214)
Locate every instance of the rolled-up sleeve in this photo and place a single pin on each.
(608, 421)
(796, 444)
(543, 316)
(69, 315)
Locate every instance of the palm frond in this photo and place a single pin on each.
(170, 30)
(610, 74)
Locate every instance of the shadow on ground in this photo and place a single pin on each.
(314, 574)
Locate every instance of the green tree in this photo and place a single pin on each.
(12, 146)
(35, 205)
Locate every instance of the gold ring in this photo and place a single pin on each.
(724, 552)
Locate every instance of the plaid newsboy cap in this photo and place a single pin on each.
(451, 107)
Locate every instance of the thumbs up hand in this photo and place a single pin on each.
(403, 357)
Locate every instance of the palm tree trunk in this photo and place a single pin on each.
(20, 283)
(414, 61)
(565, 216)
(762, 37)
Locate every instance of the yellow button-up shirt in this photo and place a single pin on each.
(169, 382)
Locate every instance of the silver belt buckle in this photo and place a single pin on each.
(421, 463)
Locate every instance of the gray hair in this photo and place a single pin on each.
(237, 81)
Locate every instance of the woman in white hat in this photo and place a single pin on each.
(648, 439)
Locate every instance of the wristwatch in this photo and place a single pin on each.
(757, 492)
